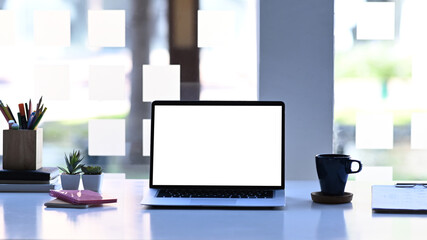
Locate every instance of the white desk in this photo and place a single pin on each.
(24, 216)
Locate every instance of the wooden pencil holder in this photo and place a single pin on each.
(22, 149)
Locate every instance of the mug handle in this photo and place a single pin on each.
(350, 161)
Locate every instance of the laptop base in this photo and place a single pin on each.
(150, 199)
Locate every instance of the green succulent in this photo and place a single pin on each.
(92, 170)
(73, 163)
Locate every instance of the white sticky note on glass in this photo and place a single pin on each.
(107, 83)
(160, 82)
(376, 21)
(106, 137)
(106, 28)
(374, 131)
(215, 28)
(383, 174)
(419, 131)
(7, 28)
(52, 81)
(146, 135)
(52, 28)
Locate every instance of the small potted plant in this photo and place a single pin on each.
(70, 178)
(92, 178)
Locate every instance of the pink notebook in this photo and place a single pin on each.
(81, 197)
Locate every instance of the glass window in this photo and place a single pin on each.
(380, 82)
(99, 63)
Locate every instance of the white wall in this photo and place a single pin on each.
(296, 66)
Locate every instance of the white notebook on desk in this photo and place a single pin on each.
(389, 198)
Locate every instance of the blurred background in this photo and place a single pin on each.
(156, 33)
(380, 108)
(380, 83)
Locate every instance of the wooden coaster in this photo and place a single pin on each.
(319, 197)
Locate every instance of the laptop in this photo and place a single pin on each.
(217, 153)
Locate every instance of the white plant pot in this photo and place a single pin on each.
(92, 182)
(70, 182)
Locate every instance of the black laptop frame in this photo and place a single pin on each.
(217, 103)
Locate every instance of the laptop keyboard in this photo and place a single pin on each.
(192, 193)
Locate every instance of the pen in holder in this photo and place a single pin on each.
(22, 149)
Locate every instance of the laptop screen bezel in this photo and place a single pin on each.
(217, 103)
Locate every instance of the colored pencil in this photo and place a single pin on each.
(10, 112)
(27, 118)
(4, 114)
(27, 114)
(38, 120)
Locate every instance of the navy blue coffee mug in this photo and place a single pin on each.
(333, 170)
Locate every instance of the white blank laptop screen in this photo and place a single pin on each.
(204, 145)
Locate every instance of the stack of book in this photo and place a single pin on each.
(41, 180)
